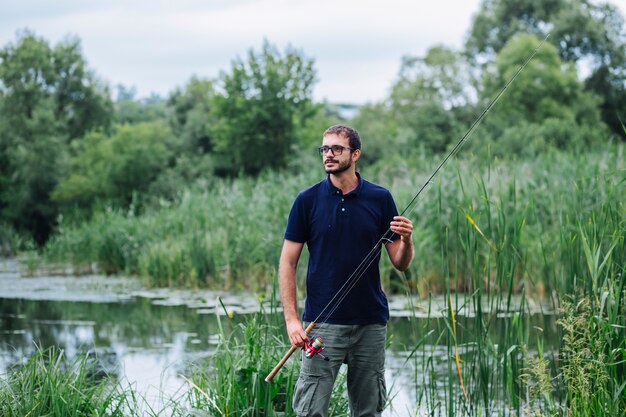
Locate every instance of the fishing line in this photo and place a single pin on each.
(358, 273)
(371, 256)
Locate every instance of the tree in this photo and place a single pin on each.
(129, 109)
(47, 99)
(611, 86)
(258, 107)
(578, 28)
(113, 169)
(379, 133)
(582, 31)
(429, 94)
(192, 115)
(32, 157)
(547, 103)
(546, 88)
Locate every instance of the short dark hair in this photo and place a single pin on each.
(346, 131)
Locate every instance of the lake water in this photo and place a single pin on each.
(150, 336)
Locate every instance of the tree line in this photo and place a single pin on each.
(68, 147)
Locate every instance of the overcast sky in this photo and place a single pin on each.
(157, 45)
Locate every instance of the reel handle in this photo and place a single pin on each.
(280, 364)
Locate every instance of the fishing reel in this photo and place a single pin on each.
(314, 348)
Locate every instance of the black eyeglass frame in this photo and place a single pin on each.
(335, 149)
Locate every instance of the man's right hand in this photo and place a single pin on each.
(296, 333)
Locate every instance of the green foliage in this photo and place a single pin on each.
(49, 385)
(308, 134)
(379, 133)
(591, 372)
(232, 382)
(424, 99)
(528, 140)
(442, 75)
(304, 156)
(11, 242)
(257, 117)
(229, 235)
(34, 74)
(192, 117)
(262, 101)
(590, 32)
(584, 359)
(207, 238)
(27, 178)
(577, 27)
(113, 169)
(47, 99)
(546, 107)
(129, 110)
(546, 88)
(609, 84)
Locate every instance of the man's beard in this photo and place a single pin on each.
(342, 166)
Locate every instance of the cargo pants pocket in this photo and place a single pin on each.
(382, 392)
(304, 393)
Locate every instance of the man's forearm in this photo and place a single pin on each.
(405, 254)
(288, 296)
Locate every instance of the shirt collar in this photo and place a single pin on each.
(331, 189)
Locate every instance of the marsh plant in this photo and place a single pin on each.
(494, 238)
(232, 381)
(500, 253)
(49, 384)
(228, 235)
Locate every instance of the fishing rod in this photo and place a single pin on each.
(352, 280)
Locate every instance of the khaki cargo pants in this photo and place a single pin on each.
(362, 348)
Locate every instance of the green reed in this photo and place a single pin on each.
(50, 385)
(506, 242)
(232, 381)
(229, 235)
(493, 238)
(225, 237)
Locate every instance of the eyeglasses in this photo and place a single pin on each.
(335, 149)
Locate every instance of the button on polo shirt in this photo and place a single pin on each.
(340, 231)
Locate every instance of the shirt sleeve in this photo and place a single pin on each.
(389, 212)
(297, 224)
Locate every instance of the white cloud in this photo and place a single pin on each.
(158, 45)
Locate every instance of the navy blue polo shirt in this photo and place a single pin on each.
(340, 231)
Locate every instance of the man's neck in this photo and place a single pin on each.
(346, 181)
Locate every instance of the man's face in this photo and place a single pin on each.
(334, 163)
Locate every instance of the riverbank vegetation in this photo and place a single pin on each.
(481, 354)
(229, 236)
(50, 384)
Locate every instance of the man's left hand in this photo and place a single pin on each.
(402, 226)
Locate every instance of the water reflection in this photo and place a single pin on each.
(146, 345)
(149, 337)
(149, 345)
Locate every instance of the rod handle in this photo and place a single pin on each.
(290, 352)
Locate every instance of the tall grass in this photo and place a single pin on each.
(232, 382)
(12, 242)
(229, 383)
(50, 385)
(230, 235)
(492, 237)
(500, 247)
(227, 237)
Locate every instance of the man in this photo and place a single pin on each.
(341, 219)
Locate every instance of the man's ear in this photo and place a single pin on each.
(356, 154)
